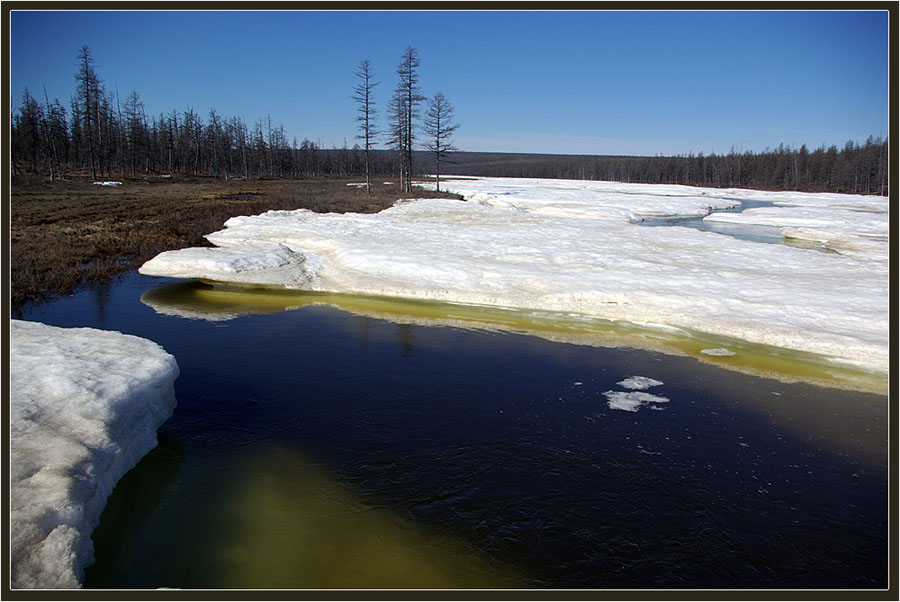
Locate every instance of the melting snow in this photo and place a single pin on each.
(84, 408)
(578, 247)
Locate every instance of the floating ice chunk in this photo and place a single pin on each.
(84, 408)
(722, 352)
(639, 382)
(631, 401)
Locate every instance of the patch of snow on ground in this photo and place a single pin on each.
(578, 247)
(84, 408)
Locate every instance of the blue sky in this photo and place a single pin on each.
(621, 82)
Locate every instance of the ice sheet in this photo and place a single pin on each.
(84, 408)
(578, 247)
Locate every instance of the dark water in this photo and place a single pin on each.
(317, 448)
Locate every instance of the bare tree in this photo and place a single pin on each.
(439, 127)
(362, 94)
(408, 89)
(88, 91)
(134, 110)
(397, 131)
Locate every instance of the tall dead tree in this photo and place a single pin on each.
(362, 94)
(408, 90)
(88, 91)
(396, 114)
(439, 127)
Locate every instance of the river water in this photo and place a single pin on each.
(338, 442)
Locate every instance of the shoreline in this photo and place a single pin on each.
(69, 232)
(219, 301)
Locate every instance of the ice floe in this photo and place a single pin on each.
(718, 352)
(631, 401)
(578, 247)
(636, 397)
(639, 382)
(84, 408)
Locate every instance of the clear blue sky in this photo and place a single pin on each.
(639, 83)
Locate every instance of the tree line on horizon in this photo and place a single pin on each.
(115, 138)
(855, 168)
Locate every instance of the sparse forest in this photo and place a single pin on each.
(114, 137)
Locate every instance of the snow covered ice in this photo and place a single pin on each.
(579, 247)
(84, 408)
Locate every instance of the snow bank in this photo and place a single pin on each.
(84, 408)
(262, 264)
(574, 246)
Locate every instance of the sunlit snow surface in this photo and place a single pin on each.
(578, 246)
(84, 408)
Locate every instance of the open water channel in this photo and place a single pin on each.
(339, 442)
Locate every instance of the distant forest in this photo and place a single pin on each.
(115, 138)
(856, 168)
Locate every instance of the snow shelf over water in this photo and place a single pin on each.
(84, 408)
(578, 246)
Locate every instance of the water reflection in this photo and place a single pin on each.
(196, 300)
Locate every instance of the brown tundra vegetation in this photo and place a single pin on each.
(68, 232)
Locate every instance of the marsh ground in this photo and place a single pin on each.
(67, 232)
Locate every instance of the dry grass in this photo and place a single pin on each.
(66, 233)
